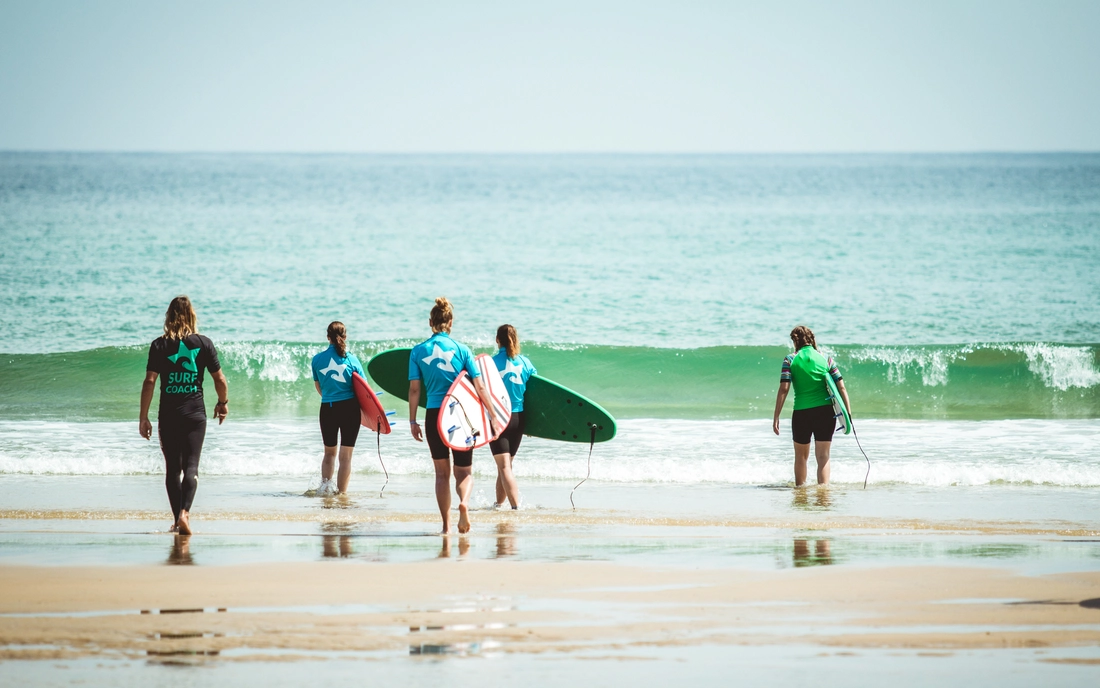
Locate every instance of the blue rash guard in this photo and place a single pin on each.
(515, 372)
(333, 372)
(437, 362)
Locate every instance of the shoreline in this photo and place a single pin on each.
(492, 518)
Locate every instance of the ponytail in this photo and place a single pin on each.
(338, 337)
(803, 336)
(508, 340)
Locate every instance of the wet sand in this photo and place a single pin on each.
(291, 610)
(949, 586)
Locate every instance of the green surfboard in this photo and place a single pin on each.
(553, 412)
(839, 409)
(390, 371)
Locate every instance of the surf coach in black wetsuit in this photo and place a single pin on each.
(180, 357)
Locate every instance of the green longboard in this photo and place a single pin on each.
(839, 409)
(553, 412)
(390, 371)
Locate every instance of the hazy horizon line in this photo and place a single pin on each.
(100, 151)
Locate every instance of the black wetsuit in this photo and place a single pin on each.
(181, 422)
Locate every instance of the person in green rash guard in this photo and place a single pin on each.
(805, 370)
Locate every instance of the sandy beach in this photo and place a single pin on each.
(287, 611)
(641, 583)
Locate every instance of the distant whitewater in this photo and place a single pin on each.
(273, 380)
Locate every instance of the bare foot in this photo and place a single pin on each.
(174, 529)
(184, 524)
(463, 518)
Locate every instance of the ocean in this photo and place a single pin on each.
(959, 294)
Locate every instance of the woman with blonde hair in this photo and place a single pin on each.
(434, 364)
(180, 357)
(805, 370)
(515, 370)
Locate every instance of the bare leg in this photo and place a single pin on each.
(184, 523)
(801, 458)
(443, 491)
(821, 451)
(464, 485)
(506, 482)
(328, 463)
(344, 475)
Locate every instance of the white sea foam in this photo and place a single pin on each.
(934, 453)
(1061, 366)
(269, 361)
(931, 364)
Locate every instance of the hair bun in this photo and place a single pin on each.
(442, 313)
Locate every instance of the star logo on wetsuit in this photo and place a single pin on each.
(513, 369)
(336, 369)
(186, 357)
(444, 358)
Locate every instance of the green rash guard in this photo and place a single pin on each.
(806, 371)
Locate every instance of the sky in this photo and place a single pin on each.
(562, 76)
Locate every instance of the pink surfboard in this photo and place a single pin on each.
(463, 419)
(372, 415)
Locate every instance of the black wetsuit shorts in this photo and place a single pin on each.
(817, 422)
(340, 417)
(438, 447)
(508, 442)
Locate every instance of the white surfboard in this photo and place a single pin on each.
(463, 419)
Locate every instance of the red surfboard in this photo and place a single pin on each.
(372, 415)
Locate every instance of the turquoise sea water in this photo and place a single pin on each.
(663, 251)
(957, 289)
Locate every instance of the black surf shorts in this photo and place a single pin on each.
(508, 442)
(439, 448)
(818, 422)
(340, 417)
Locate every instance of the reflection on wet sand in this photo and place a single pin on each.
(460, 649)
(812, 498)
(463, 547)
(180, 553)
(506, 541)
(803, 556)
(336, 541)
(334, 546)
(338, 501)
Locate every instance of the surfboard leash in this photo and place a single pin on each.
(474, 432)
(378, 436)
(591, 444)
(856, 435)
